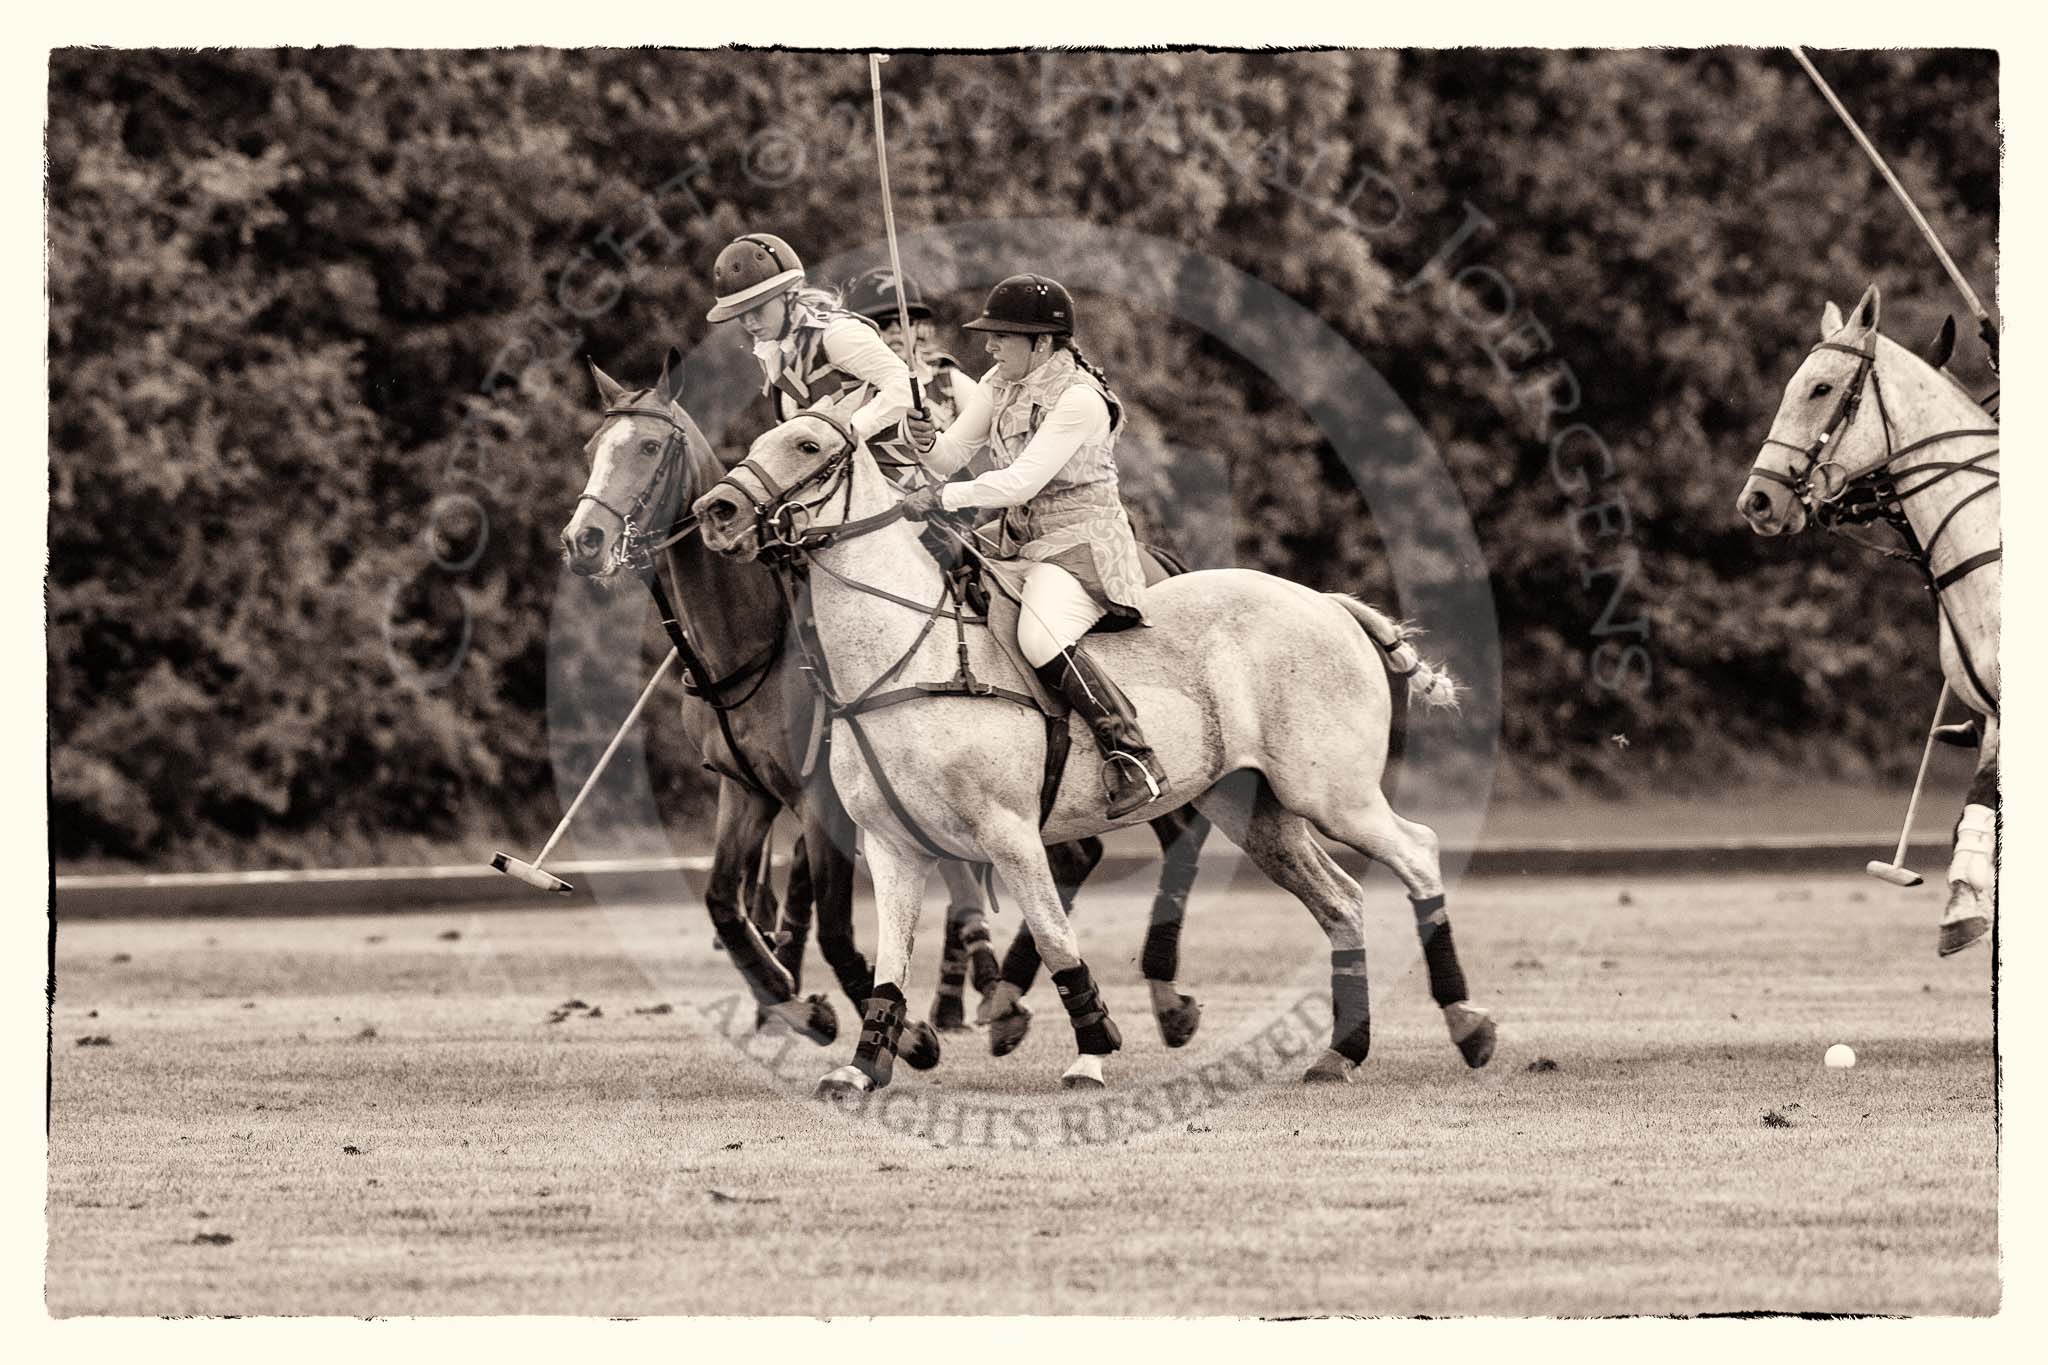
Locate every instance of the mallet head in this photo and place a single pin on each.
(531, 875)
(1890, 872)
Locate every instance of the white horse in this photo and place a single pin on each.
(1239, 671)
(1867, 430)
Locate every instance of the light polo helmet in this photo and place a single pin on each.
(750, 271)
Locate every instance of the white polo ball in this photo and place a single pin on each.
(1841, 1056)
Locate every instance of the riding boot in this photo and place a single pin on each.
(1131, 772)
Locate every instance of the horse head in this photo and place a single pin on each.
(639, 467)
(1824, 437)
(784, 488)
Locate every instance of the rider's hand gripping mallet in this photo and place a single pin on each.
(531, 873)
(1896, 872)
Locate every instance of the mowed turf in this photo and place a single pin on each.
(374, 1115)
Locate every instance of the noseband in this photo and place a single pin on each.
(775, 510)
(635, 547)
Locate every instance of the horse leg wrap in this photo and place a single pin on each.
(1350, 1005)
(1161, 959)
(1433, 927)
(1020, 964)
(953, 959)
(980, 954)
(880, 1026)
(1976, 841)
(1095, 1033)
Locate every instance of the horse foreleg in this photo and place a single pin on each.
(828, 845)
(1181, 835)
(1002, 1007)
(1973, 871)
(742, 827)
(797, 904)
(899, 874)
(966, 950)
(1023, 863)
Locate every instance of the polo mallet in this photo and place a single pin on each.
(1896, 872)
(875, 61)
(531, 873)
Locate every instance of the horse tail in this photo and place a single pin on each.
(1431, 684)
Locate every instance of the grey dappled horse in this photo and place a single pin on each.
(1240, 671)
(1869, 430)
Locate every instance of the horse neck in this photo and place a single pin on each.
(863, 635)
(730, 609)
(1920, 402)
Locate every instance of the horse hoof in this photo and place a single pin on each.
(1177, 1024)
(1332, 1068)
(847, 1081)
(918, 1047)
(996, 1002)
(1957, 935)
(1084, 1074)
(1472, 1029)
(949, 1014)
(811, 1017)
(1007, 1031)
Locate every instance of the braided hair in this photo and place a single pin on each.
(1116, 408)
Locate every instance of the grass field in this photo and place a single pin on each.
(374, 1115)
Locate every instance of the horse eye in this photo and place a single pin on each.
(1823, 390)
(650, 447)
(808, 447)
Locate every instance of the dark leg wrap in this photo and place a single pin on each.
(981, 954)
(1446, 978)
(1020, 964)
(1095, 1033)
(1161, 959)
(1350, 1004)
(953, 959)
(880, 1026)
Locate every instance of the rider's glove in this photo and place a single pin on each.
(918, 426)
(924, 504)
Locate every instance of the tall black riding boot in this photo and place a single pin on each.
(1130, 771)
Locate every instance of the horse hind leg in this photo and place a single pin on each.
(1410, 850)
(1281, 844)
(1181, 835)
(1973, 871)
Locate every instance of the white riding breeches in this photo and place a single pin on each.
(1057, 612)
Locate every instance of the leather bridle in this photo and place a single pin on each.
(775, 508)
(637, 545)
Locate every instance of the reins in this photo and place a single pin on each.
(1875, 494)
(793, 553)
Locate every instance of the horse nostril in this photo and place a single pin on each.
(589, 540)
(1759, 502)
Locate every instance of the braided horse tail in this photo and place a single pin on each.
(1430, 684)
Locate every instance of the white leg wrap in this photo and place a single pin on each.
(1974, 865)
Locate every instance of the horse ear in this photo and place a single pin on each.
(670, 385)
(1830, 320)
(608, 388)
(1937, 351)
(1867, 309)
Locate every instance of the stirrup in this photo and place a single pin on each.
(1155, 787)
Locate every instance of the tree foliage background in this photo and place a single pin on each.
(317, 321)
